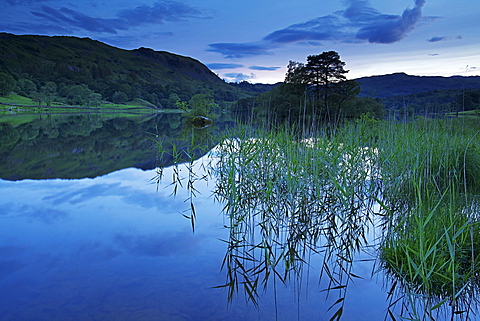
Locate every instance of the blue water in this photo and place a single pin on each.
(117, 247)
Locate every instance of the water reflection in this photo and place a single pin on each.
(87, 145)
(285, 218)
(295, 242)
(315, 206)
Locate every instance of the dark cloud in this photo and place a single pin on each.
(25, 2)
(360, 11)
(390, 29)
(220, 66)
(240, 50)
(358, 23)
(62, 19)
(436, 39)
(433, 54)
(40, 29)
(443, 38)
(159, 13)
(77, 20)
(239, 77)
(263, 68)
(322, 28)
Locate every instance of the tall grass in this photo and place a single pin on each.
(430, 171)
(290, 195)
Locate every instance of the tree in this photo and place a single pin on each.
(324, 74)
(119, 97)
(201, 105)
(7, 84)
(26, 87)
(321, 71)
(48, 92)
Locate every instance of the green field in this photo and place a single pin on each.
(15, 104)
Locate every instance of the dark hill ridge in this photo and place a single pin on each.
(78, 53)
(183, 65)
(109, 71)
(399, 84)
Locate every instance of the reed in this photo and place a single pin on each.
(288, 197)
(292, 194)
(431, 246)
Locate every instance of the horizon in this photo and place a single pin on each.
(252, 41)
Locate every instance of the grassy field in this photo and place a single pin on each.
(15, 104)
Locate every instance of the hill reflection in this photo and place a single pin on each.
(89, 145)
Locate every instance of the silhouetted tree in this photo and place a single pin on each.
(324, 75)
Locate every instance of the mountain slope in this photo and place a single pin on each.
(139, 73)
(403, 84)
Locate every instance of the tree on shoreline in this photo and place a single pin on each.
(320, 74)
(314, 91)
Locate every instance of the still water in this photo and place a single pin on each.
(86, 233)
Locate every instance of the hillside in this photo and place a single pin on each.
(421, 94)
(403, 84)
(117, 75)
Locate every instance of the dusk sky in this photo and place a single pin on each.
(254, 40)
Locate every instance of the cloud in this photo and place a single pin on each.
(74, 19)
(433, 54)
(261, 68)
(390, 29)
(220, 66)
(358, 23)
(239, 77)
(322, 28)
(62, 19)
(436, 39)
(443, 38)
(159, 13)
(240, 50)
(25, 2)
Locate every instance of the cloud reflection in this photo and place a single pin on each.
(155, 245)
(44, 214)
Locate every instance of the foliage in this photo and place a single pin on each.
(7, 84)
(403, 94)
(290, 196)
(315, 91)
(116, 75)
(199, 105)
(88, 145)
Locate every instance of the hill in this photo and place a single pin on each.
(118, 75)
(398, 84)
(423, 94)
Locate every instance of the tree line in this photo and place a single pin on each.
(315, 90)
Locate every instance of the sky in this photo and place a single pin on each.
(254, 40)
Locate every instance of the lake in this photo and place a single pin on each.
(89, 232)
